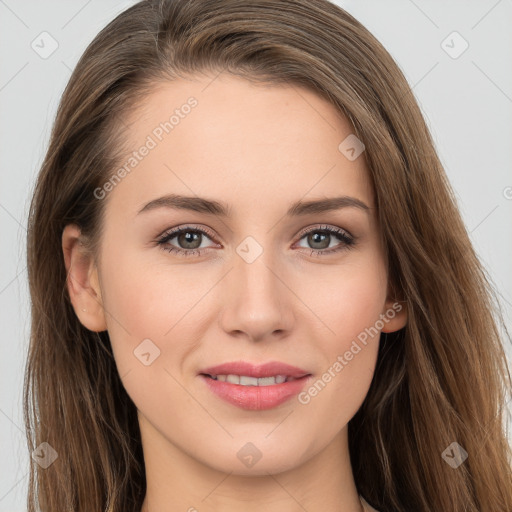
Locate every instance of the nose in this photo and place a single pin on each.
(256, 301)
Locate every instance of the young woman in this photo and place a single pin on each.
(251, 286)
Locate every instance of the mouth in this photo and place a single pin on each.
(245, 370)
(253, 387)
(246, 380)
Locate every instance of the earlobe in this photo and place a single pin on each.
(82, 280)
(395, 316)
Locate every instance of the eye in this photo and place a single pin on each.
(319, 238)
(189, 237)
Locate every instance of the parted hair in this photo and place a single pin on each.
(441, 379)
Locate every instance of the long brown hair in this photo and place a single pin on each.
(441, 379)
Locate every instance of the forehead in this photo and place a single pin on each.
(229, 138)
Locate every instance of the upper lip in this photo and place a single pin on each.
(255, 370)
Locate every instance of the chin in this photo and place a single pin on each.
(249, 460)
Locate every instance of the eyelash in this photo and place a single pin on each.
(341, 234)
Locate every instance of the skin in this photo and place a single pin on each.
(259, 149)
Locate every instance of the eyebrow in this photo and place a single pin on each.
(212, 207)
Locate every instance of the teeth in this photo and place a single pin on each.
(244, 380)
(248, 381)
(233, 379)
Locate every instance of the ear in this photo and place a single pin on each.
(396, 313)
(82, 280)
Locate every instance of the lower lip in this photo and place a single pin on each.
(256, 398)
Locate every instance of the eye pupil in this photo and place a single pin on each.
(313, 238)
(189, 237)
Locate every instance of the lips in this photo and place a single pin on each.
(261, 386)
(270, 369)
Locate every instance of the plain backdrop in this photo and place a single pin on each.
(456, 55)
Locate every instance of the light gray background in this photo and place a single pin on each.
(467, 102)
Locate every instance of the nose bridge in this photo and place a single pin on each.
(257, 302)
(257, 281)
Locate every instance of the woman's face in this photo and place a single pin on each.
(259, 282)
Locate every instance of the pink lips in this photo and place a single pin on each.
(255, 397)
(251, 370)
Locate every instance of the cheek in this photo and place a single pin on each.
(349, 305)
(149, 307)
(357, 310)
(147, 294)
(152, 300)
(349, 298)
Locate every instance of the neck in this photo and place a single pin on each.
(178, 482)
